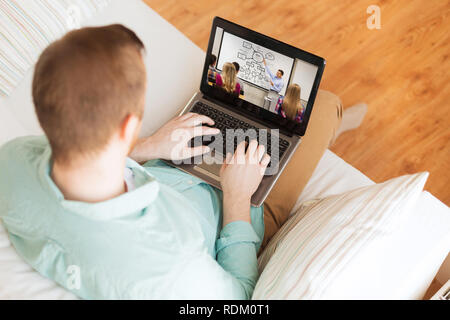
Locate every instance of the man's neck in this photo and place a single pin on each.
(91, 180)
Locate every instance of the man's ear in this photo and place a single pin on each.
(130, 128)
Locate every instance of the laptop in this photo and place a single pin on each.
(269, 70)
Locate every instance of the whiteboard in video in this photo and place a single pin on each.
(250, 58)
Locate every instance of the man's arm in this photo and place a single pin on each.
(272, 77)
(278, 85)
(241, 175)
(203, 277)
(170, 142)
(234, 273)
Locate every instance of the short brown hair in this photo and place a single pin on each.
(85, 85)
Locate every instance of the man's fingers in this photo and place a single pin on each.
(228, 158)
(239, 153)
(225, 163)
(265, 161)
(260, 152)
(202, 131)
(186, 116)
(197, 119)
(252, 148)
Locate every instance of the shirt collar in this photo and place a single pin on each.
(128, 203)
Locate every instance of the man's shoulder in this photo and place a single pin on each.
(21, 151)
(19, 162)
(24, 144)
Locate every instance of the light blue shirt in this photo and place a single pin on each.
(162, 240)
(278, 83)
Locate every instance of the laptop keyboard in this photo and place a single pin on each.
(224, 121)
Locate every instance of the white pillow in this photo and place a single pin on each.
(307, 255)
(18, 280)
(27, 27)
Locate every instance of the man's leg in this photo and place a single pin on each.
(323, 124)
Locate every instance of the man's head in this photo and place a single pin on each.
(280, 73)
(89, 89)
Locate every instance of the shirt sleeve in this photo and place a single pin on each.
(278, 85)
(236, 253)
(232, 276)
(270, 73)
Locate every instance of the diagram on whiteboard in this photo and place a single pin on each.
(252, 66)
(252, 69)
(250, 57)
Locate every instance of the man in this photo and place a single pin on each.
(82, 213)
(276, 81)
(98, 223)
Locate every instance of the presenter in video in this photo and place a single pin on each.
(276, 81)
(276, 85)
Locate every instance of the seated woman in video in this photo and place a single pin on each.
(290, 105)
(227, 79)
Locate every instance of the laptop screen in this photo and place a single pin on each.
(268, 80)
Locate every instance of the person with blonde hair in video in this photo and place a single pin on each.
(290, 105)
(228, 79)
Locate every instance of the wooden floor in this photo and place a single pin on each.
(401, 71)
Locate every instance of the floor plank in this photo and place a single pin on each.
(401, 71)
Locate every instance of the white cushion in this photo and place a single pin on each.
(174, 67)
(423, 241)
(20, 281)
(307, 256)
(29, 26)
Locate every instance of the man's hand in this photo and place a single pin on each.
(240, 176)
(170, 142)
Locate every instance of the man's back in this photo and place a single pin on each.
(157, 241)
(82, 213)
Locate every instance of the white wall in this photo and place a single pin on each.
(217, 40)
(304, 74)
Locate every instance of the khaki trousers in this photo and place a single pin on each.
(324, 121)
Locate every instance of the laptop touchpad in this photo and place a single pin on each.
(211, 170)
(209, 167)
